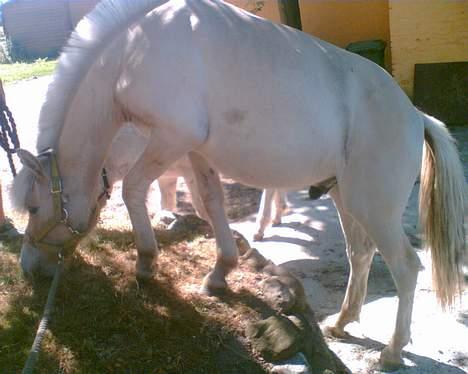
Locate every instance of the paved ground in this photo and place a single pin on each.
(311, 244)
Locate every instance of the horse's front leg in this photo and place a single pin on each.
(153, 162)
(134, 191)
(211, 193)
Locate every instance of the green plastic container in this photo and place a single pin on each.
(373, 50)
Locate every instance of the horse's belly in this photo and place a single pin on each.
(284, 160)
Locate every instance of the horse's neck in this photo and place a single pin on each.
(90, 125)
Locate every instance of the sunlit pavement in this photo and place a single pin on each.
(310, 243)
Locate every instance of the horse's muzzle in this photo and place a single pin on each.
(35, 262)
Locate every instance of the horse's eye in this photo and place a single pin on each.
(33, 210)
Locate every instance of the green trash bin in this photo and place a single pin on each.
(373, 50)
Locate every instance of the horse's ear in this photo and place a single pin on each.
(31, 162)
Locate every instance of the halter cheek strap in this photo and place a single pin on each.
(60, 216)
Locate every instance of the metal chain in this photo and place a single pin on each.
(8, 131)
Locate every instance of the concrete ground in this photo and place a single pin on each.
(310, 243)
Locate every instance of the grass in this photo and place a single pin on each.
(10, 73)
(105, 322)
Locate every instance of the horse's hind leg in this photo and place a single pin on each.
(360, 250)
(168, 189)
(379, 212)
(281, 206)
(197, 202)
(264, 213)
(211, 193)
(404, 265)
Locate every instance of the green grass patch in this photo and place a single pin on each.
(17, 71)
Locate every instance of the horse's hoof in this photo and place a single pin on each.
(212, 286)
(258, 237)
(389, 361)
(144, 276)
(144, 272)
(276, 223)
(335, 332)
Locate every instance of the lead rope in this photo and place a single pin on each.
(46, 318)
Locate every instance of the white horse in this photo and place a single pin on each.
(128, 145)
(264, 104)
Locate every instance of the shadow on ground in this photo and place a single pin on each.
(106, 322)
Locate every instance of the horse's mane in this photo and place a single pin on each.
(99, 28)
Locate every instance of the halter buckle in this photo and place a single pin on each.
(56, 186)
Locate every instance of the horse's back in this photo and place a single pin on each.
(279, 96)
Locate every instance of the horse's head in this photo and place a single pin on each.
(59, 214)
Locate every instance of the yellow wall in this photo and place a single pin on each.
(337, 21)
(269, 8)
(344, 21)
(426, 31)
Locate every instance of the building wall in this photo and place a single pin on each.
(426, 31)
(337, 21)
(268, 8)
(43, 26)
(345, 21)
(39, 27)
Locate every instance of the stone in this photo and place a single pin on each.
(319, 356)
(275, 338)
(300, 323)
(189, 223)
(284, 293)
(242, 243)
(272, 269)
(254, 259)
(166, 217)
(278, 295)
(295, 365)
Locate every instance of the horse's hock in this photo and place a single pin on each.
(288, 336)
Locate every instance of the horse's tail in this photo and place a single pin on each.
(441, 209)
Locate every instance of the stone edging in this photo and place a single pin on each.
(292, 338)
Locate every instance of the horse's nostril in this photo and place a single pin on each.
(35, 263)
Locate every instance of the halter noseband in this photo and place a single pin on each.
(61, 216)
